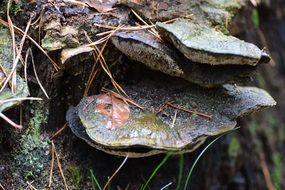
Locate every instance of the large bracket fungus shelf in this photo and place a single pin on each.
(146, 132)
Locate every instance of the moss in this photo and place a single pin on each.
(255, 18)
(74, 176)
(31, 157)
(277, 174)
(271, 120)
(234, 148)
(260, 81)
(252, 127)
(16, 7)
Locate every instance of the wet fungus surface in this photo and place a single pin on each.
(170, 129)
(187, 90)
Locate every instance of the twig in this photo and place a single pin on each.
(11, 28)
(152, 30)
(56, 67)
(31, 186)
(188, 111)
(128, 28)
(13, 100)
(60, 169)
(103, 64)
(122, 98)
(6, 74)
(162, 107)
(110, 179)
(36, 75)
(10, 121)
(101, 40)
(174, 119)
(93, 71)
(25, 68)
(52, 165)
(15, 59)
(1, 186)
(108, 72)
(265, 172)
(58, 132)
(19, 99)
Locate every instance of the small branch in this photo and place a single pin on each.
(110, 179)
(174, 119)
(19, 30)
(19, 99)
(2, 187)
(10, 121)
(31, 186)
(60, 169)
(58, 132)
(127, 28)
(266, 172)
(170, 104)
(52, 165)
(122, 98)
(36, 75)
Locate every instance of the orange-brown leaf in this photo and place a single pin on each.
(116, 109)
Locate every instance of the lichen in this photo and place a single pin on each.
(31, 157)
(255, 18)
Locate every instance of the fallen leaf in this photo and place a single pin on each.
(117, 110)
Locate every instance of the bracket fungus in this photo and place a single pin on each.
(204, 44)
(189, 55)
(194, 114)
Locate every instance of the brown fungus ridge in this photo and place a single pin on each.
(150, 131)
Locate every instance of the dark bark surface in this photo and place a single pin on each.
(241, 160)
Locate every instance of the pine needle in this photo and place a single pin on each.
(12, 123)
(59, 131)
(110, 179)
(36, 75)
(19, 30)
(59, 167)
(52, 165)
